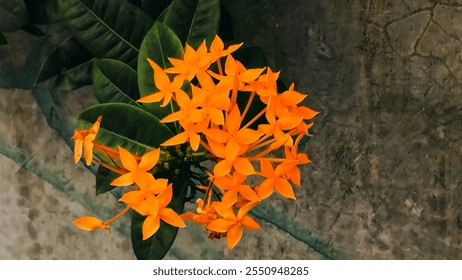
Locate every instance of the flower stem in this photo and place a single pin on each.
(120, 214)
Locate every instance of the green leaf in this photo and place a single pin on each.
(33, 30)
(154, 8)
(46, 12)
(155, 247)
(104, 177)
(13, 14)
(109, 28)
(67, 68)
(114, 81)
(194, 20)
(3, 40)
(125, 125)
(159, 44)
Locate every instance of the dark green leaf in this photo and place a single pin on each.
(160, 43)
(194, 20)
(109, 28)
(115, 81)
(104, 177)
(33, 29)
(13, 15)
(3, 40)
(226, 31)
(136, 3)
(67, 68)
(155, 7)
(47, 11)
(125, 125)
(155, 247)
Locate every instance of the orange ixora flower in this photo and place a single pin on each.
(276, 179)
(232, 224)
(193, 62)
(155, 208)
(83, 140)
(137, 172)
(163, 84)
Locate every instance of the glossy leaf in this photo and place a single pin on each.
(194, 20)
(67, 68)
(104, 177)
(125, 125)
(33, 30)
(47, 12)
(154, 8)
(13, 15)
(109, 28)
(159, 44)
(3, 40)
(155, 247)
(114, 81)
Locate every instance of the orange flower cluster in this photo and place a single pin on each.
(210, 117)
(150, 197)
(212, 122)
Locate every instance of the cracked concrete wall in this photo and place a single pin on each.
(386, 174)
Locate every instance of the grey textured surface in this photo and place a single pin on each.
(386, 173)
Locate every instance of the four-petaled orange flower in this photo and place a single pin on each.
(193, 62)
(276, 179)
(155, 208)
(233, 224)
(137, 173)
(163, 84)
(83, 139)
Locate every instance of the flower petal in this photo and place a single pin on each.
(222, 168)
(78, 145)
(171, 217)
(248, 136)
(194, 140)
(247, 192)
(228, 199)
(243, 166)
(150, 226)
(128, 160)
(234, 235)
(246, 208)
(155, 97)
(149, 160)
(88, 151)
(266, 188)
(133, 197)
(176, 140)
(124, 180)
(165, 197)
(284, 188)
(249, 223)
(220, 225)
(233, 120)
